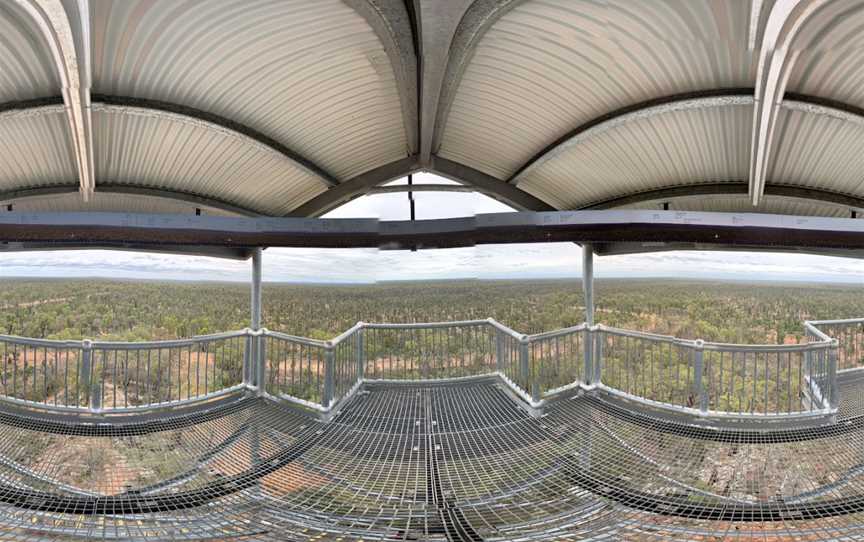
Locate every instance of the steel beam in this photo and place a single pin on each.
(255, 319)
(489, 185)
(776, 60)
(13, 196)
(67, 34)
(729, 188)
(397, 189)
(739, 230)
(358, 186)
(588, 282)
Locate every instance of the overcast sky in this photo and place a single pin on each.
(552, 260)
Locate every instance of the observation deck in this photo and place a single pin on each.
(444, 431)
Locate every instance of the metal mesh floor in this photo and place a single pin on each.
(437, 462)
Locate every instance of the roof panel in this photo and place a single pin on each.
(818, 151)
(312, 75)
(35, 149)
(26, 68)
(155, 149)
(672, 147)
(547, 67)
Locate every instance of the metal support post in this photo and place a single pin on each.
(598, 355)
(360, 346)
(252, 359)
(588, 282)
(329, 362)
(700, 393)
(588, 343)
(833, 391)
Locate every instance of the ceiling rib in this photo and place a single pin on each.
(72, 61)
(13, 196)
(776, 58)
(740, 187)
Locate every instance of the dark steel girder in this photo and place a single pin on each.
(746, 231)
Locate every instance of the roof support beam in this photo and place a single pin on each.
(393, 24)
(489, 185)
(740, 230)
(13, 196)
(356, 187)
(67, 35)
(776, 59)
(399, 188)
(739, 188)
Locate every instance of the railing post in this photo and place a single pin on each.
(329, 362)
(360, 347)
(499, 350)
(248, 360)
(596, 374)
(698, 367)
(260, 361)
(86, 368)
(833, 392)
(524, 368)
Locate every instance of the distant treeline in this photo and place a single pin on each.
(127, 310)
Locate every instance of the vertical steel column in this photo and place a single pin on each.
(255, 357)
(588, 282)
(588, 291)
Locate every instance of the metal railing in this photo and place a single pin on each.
(705, 378)
(719, 378)
(849, 335)
(100, 375)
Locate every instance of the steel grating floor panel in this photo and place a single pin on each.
(462, 461)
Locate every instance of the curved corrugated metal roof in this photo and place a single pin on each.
(35, 149)
(547, 67)
(139, 147)
(289, 106)
(706, 142)
(312, 75)
(26, 68)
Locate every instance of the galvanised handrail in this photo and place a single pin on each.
(700, 377)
